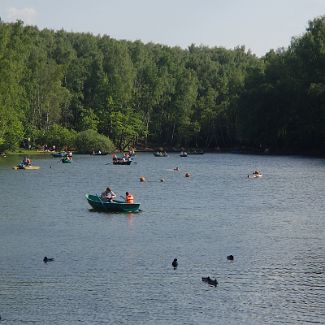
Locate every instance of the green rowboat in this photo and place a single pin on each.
(115, 206)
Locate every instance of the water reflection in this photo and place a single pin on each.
(130, 219)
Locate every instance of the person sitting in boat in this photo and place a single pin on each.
(129, 198)
(108, 195)
(27, 161)
(114, 157)
(131, 152)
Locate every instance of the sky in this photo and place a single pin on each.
(259, 25)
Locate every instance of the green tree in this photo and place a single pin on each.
(12, 69)
(88, 120)
(128, 127)
(60, 137)
(89, 141)
(47, 96)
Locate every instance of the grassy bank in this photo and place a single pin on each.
(27, 152)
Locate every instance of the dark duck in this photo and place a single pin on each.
(175, 263)
(210, 281)
(47, 259)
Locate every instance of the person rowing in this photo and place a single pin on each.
(108, 195)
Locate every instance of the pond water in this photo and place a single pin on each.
(116, 268)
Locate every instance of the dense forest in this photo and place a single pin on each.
(94, 92)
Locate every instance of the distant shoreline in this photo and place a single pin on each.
(196, 151)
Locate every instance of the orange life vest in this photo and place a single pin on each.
(130, 198)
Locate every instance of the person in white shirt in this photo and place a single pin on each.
(108, 195)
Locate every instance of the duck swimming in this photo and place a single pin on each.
(210, 281)
(175, 263)
(230, 257)
(46, 259)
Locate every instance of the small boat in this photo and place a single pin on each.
(99, 153)
(59, 154)
(114, 206)
(195, 152)
(66, 160)
(256, 174)
(26, 167)
(120, 161)
(160, 154)
(183, 154)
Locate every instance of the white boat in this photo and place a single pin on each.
(256, 174)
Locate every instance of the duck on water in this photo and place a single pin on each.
(175, 263)
(210, 281)
(47, 259)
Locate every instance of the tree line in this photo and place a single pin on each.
(59, 87)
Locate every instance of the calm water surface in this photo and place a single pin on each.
(116, 268)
